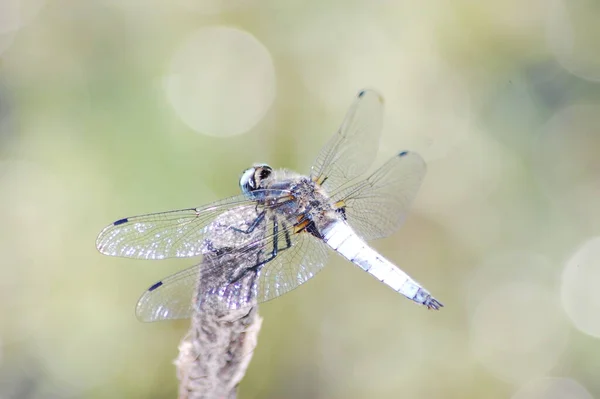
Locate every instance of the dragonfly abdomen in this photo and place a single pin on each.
(346, 242)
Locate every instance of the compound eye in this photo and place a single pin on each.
(247, 183)
(265, 172)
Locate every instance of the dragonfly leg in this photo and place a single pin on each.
(286, 233)
(272, 255)
(276, 249)
(252, 283)
(253, 226)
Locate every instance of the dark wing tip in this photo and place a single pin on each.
(403, 153)
(373, 92)
(155, 286)
(121, 221)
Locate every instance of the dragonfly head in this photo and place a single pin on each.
(253, 177)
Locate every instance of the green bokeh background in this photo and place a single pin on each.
(481, 89)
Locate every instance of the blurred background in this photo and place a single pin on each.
(114, 108)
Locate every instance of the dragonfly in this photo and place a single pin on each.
(279, 231)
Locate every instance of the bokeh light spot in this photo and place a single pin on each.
(9, 16)
(518, 332)
(567, 163)
(14, 15)
(552, 388)
(221, 81)
(10, 22)
(572, 36)
(579, 290)
(509, 267)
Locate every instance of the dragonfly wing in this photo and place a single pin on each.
(229, 236)
(292, 267)
(353, 148)
(166, 234)
(170, 298)
(376, 207)
(264, 268)
(252, 263)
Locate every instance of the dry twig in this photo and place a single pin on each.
(215, 353)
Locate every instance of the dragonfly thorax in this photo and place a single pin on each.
(309, 201)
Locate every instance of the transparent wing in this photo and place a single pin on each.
(300, 256)
(292, 267)
(353, 148)
(166, 234)
(170, 298)
(376, 207)
(239, 268)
